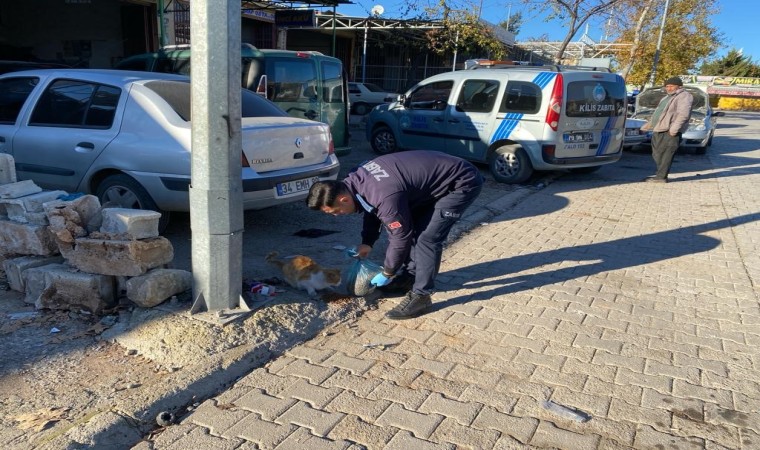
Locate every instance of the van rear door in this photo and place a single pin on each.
(594, 116)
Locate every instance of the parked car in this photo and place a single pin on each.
(634, 135)
(365, 96)
(125, 137)
(703, 119)
(517, 119)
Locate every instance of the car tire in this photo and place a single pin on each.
(383, 141)
(124, 191)
(582, 170)
(361, 109)
(709, 141)
(510, 164)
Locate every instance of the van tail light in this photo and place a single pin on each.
(243, 160)
(331, 147)
(555, 103)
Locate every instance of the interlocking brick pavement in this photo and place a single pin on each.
(636, 303)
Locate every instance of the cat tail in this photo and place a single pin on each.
(271, 258)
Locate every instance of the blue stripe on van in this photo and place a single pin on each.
(606, 134)
(506, 126)
(544, 78)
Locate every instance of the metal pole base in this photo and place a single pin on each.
(246, 306)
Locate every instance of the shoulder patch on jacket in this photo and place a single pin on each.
(394, 225)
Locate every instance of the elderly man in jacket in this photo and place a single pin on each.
(669, 121)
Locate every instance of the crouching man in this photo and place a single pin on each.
(417, 196)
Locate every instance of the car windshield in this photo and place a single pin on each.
(650, 98)
(177, 95)
(373, 87)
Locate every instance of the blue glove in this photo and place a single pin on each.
(380, 280)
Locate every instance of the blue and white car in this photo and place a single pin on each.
(516, 119)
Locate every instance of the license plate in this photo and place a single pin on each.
(632, 132)
(294, 187)
(583, 136)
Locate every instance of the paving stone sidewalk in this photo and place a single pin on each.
(634, 303)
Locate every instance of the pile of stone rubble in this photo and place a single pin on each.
(67, 251)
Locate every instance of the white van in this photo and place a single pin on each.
(515, 118)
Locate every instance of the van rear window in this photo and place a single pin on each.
(592, 98)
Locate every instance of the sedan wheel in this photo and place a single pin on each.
(361, 109)
(383, 141)
(510, 164)
(123, 191)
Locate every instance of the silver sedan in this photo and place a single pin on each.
(125, 137)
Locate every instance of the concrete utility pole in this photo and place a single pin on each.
(216, 190)
(659, 44)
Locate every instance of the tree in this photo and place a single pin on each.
(734, 64)
(513, 23)
(688, 39)
(464, 32)
(574, 14)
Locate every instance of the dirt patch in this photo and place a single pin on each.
(59, 369)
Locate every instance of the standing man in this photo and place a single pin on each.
(417, 196)
(670, 119)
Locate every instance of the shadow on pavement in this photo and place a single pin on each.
(592, 259)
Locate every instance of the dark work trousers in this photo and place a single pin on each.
(432, 224)
(664, 146)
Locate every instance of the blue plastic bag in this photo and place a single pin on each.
(359, 275)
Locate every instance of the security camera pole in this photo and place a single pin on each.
(216, 199)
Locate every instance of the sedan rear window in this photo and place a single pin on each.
(177, 95)
(78, 104)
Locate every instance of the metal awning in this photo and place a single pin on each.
(184, 5)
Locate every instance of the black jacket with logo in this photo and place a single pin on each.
(389, 187)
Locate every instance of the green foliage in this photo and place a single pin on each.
(689, 38)
(513, 23)
(734, 64)
(462, 30)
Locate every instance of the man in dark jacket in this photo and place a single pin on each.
(669, 120)
(417, 196)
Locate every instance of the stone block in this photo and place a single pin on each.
(69, 218)
(34, 280)
(158, 285)
(7, 169)
(17, 208)
(72, 290)
(19, 189)
(14, 268)
(132, 223)
(26, 239)
(118, 258)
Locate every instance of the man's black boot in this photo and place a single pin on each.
(411, 306)
(399, 285)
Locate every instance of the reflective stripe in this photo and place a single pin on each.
(506, 126)
(367, 207)
(544, 78)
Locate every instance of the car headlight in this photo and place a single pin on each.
(697, 125)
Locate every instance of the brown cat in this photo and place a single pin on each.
(302, 272)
